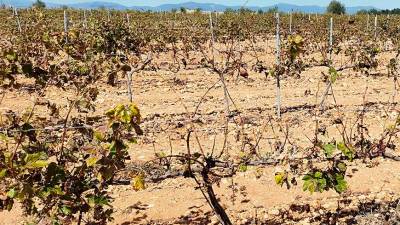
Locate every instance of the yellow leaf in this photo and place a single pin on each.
(139, 183)
(91, 161)
(37, 164)
(98, 135)
(280, 178)
(298, 39)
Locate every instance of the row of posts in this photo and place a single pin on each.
(278, 44)
(15, 12)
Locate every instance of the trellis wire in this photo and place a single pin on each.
(61, 127)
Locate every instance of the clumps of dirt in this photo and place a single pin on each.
(373, 208)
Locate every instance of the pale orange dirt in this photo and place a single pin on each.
(162, 103)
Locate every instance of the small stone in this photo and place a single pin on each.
(315, 214)
(330, 206)
(214, 220)
(381, 195)
(245, 221)
(225, 181)
(188, 213)
(362, 197)
(274, 212)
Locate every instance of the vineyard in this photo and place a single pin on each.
(124, 117)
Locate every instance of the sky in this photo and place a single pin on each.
(383, 4)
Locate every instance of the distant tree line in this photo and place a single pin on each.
(380, 12)
(39, 4)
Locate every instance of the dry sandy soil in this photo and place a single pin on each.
(248, 197)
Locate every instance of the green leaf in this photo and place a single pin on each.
(55, 172)
(308, 184)
(97, 201)
(11, 56)
(118, 109)
(333, 74)
(341, 184)
(98, 135)
(35, 156)
(342, 167)
(37, 164)
(161, 154)
(321, 184)
(314, 182)
(3, 173)
(83, 70)
(318, 174)
(56, 190)
(135, 112)
(307, 177)
(242, 168)
(349, 153)
(125, 116)
(3, 138)
(110, 113)
(271, 73)
(12, 193)
(280, 178)
(328, 150)
(132, 140)
(113, 148)
(66, 210)
(7, 156)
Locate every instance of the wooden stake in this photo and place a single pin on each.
(329, 87)
(17, 18)
(129, 83)
(376, 25)
(290, 23)
(277, 57)
(212, 34)
(221, 76)
(84, 19)
(66, 26)
(330, 38)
